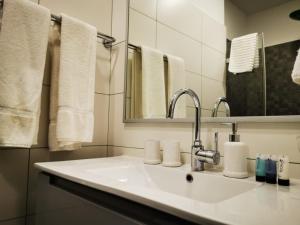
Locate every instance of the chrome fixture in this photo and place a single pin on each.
(199, 155)
(217, 105)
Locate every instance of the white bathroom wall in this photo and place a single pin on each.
(278, 28)
(129, 138)
(235, 20)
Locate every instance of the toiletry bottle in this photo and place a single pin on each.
(271, 170)
(235, 156)
(283, 171)
(260, 168)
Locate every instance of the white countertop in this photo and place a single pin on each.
(264, 204)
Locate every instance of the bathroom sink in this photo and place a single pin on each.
(208, 188)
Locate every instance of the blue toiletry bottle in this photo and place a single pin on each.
(260, 168)
(271, 170)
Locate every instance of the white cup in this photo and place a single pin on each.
(152, 152)
(171, 153)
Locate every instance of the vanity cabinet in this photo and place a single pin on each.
(63, 202)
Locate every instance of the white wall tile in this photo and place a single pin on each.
(213, 8)
(134, 135)
(118, 151)
(138, 152)
(142, 29)
(118, 61)
(264, 138)
(206, 112)
(214, 34)
(119, 20)
(172, 42)
(193, 81)
(213, 63)
(147, 7)
(181, 15)
(102, 69)
(96, 12)
(211, 91)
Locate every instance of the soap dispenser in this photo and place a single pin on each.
(235, 156)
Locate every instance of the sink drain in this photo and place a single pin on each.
(189, 178)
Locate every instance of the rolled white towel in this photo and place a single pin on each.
(296, 70)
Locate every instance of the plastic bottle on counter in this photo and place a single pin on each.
(283, 171)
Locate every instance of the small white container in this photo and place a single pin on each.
(171, 154)
(152, 152)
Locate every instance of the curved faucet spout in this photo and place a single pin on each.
(194, 96)
(217, 105)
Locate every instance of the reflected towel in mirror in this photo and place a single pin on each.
(153, 84)
(244, 54)
(296, 70)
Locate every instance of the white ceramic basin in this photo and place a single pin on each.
(205, 187)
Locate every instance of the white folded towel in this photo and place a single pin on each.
(244, 54)
(54, 53)
(176, 80)
(296, 70)
(23, 44)
(153, 84)
(76, 85)
(136, 86)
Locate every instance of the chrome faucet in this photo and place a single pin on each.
(217, 105)
(199, 155)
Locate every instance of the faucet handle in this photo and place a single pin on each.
(217, 141)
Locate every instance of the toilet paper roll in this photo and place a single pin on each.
(152, 152)
(171, 153)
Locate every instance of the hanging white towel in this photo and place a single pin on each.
(296, 70)
(76, 84)
(153, 84)
(54, 55)
(244, 54)
(136, 85)
(176, 80)
(23, 44)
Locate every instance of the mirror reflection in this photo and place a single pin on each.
(238, 57)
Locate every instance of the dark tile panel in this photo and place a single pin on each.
(245, 92)
(13, 182)
(19, 221)
(283, 96)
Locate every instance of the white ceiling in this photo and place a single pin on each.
(253, 6)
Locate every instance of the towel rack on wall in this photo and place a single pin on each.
(138, 49)
(107, 40)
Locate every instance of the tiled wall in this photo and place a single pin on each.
(124, 138)
(183, 29)
(17, 174)
(151, 23)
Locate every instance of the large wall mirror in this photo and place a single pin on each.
(237, 55)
